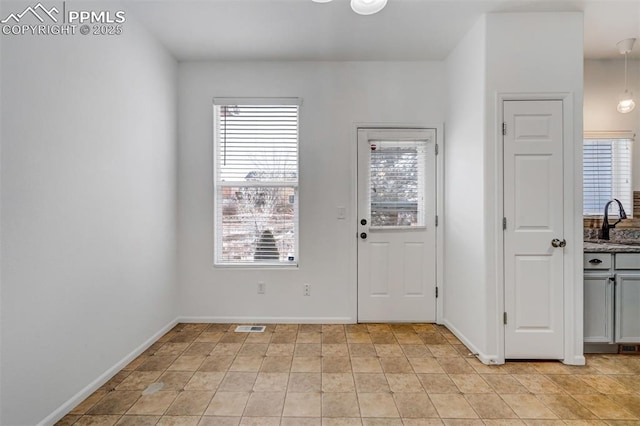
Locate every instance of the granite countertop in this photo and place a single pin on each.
(609, 246)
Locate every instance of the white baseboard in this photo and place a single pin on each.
(576, 360)
(484, 358)
(65, 408)
(270, 320)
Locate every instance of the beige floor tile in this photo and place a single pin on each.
(377, 405)
(178, 421)
(307, 404)
(604, 407)
(443, 351)
(630, 402)
(204, 380)
(421, 422)
(265, 404)
(226, 349)
(97, 420)
(259, 338)
(433, 338)
(288, 337)
(228, 404)
(371, 382)
(527, 406)
(366, 365)
(219, 421)
(209, 337)
(156, 363)
(271, 382)
(415, 405)
(404, 383)
(372, 421)
(333, 328)
(573, 385)
(238, 382)
(551, 367)
(246, 363)
(340, 405)
(114, 381)
(301, 421)
(437, 383)
(281, 349)
(276, 364)
(425, 365)
(88, 403)
(396, 365)
(219, 363)
(490, 406)
(463, 422)
(306, 364)
(383, 338)
(337, 382)
(455, 365)
(199, 348)
(537, 384)
(127, 420)
(260, 421)
(452, 406)
(308, 349)
(139, 380)
(408, 339)
(309, 338)
(253, 349)
(416, 351)
(175, 380)
(336, 364)
(565, 407)
(190, 403)
(504, 383)
(379, 328)
(470, 383)
(503, 422)
(171, 349)
(341, 421)
(305, 382)
(156, 403)
(389, 350)
(605, 384)
(116, 402)
(336, 349)
(362, 350)
(358, 338)
(287, 328)
(332, 338)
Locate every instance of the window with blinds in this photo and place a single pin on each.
(607, 174)
(256, 181)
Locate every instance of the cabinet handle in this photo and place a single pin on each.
(595, 261)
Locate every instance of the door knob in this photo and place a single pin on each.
(363, 235)
(558, 243)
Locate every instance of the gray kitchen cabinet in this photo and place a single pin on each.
(598, 307)
(611, 298)
(627, 309)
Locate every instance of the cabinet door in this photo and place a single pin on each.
(598, 308)
(628, 307)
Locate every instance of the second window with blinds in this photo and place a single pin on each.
(256, 181)
(607, 173)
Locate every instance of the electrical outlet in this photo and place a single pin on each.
(262, 287)
(307, 290)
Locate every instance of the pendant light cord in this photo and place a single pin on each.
(626, 87)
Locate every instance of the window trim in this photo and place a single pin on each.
(227, 101)
(612, 135)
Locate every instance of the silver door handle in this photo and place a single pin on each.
(558, 243)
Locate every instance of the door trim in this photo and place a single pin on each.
(353, 206)
(572, 221)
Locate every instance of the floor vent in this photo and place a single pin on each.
(250, 329)
(629, 349)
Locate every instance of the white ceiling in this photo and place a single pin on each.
(404, 30)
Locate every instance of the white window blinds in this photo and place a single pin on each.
(256, 181)
(607, 173)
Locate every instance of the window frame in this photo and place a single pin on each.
(610, 136)
(218, 185)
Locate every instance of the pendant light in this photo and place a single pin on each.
(363, 7)
(367, 7)
(625, 100)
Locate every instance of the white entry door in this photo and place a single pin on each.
(534, 233)
(396, 225)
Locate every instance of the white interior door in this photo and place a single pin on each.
(534, 234)
(396, 225)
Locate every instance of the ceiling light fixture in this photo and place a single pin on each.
(367, 7)
(363, 7)
(625, 100)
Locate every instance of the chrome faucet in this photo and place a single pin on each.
(605, 221)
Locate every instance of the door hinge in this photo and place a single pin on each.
(437, 149)
(436, 220)
(436, 292)
(504, 318)
(504, 223)
(504, 129)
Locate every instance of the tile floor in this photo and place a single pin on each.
(375, 374)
